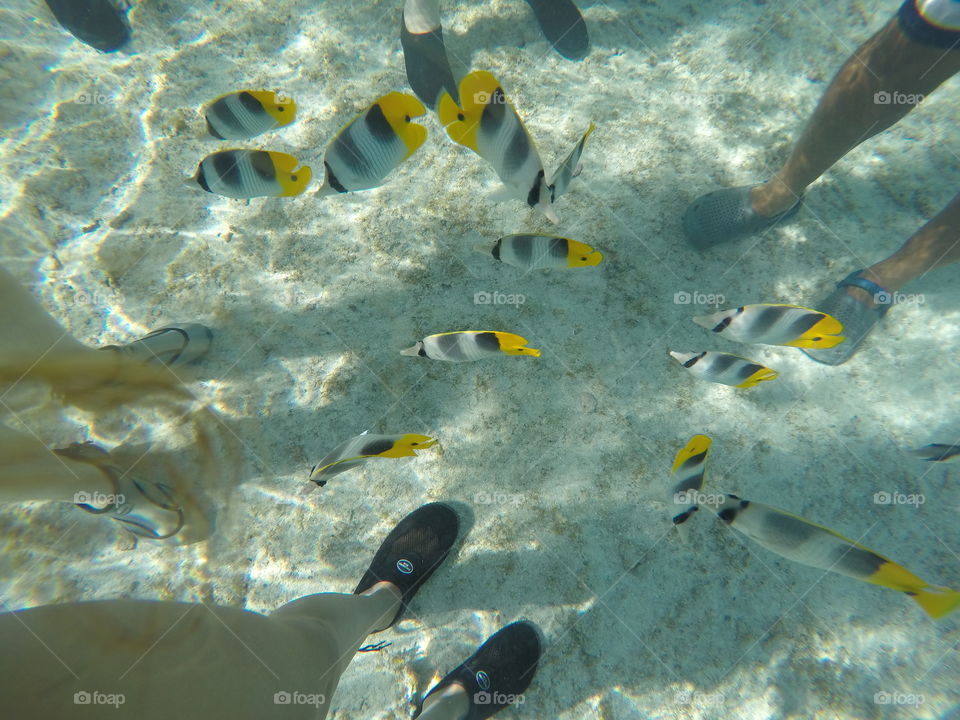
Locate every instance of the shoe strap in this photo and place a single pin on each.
(855, 279)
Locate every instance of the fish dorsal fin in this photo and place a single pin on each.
(570, 167)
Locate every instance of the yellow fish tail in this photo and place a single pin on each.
(511, 344)
(937, 602)
(758, 377)
(698, 445)
(407, 446)
(824, 334)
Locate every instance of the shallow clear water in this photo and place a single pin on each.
(563, 461)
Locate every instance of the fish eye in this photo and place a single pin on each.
(293, 178)
(584, 259)
(460, 117)
(280, 108)
(407, 118)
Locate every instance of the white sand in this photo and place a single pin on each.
(311, 300)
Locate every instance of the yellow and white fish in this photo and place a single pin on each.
(251, 173)
(773, 324)
(805, 542)
(937, 453)
(247, 113)
(688, 468)
(724, 368)
(470, 345)
(569, 168)
(356, 450)
(534, 252)
(489, 125)
(370, 146)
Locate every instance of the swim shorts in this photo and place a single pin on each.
(932, 22)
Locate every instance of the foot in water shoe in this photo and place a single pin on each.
(725, 215)
(851, 304)
(413, 550)
(148, 509)
(495, 676)
(172, 345)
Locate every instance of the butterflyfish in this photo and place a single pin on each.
(535, 252)
(359, 449)
(488, 124)
(808, 543)
(688, 472)
(248, 113)
(252, 173)
(772, 324)
(373, 144)
(725, 368)
(467, 345)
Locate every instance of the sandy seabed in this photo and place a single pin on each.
(563, 461)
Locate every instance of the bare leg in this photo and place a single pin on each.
(450, 704)
(847, 113)
(934, 245)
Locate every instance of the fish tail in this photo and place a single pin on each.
(937, 602)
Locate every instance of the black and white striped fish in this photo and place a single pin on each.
(251, 173)
(248, 113)
(725, 368)
(467, 345)
(370, 146)
(773, 324)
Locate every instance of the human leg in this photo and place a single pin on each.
(863, 297)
